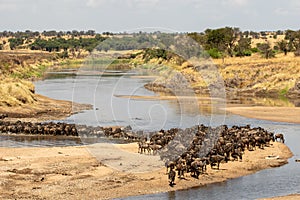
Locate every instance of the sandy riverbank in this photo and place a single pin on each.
(279, 114)
(74, 173)
(288, 197)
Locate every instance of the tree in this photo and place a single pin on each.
(266, 50)
(198, 37)
(283, 46)
(243, 48)
(222, 39)
(294, 41)
(15, 42)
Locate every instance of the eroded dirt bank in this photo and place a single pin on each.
(43, 109)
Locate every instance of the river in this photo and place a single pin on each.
(152, 114)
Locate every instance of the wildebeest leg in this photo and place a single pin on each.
(171, 177)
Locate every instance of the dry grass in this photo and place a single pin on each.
(15, 92)
(255, 73)
(255, 76)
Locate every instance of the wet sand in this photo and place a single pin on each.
(74, 173)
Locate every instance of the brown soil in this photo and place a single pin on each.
(43, 109)
(73, 173)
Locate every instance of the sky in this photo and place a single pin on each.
(148, 15)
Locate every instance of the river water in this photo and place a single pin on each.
(152, 114)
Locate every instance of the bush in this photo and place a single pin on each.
(254, 50)
(214, 53)
(247, 53)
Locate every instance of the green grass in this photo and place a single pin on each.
(283, 92)
(30, 72)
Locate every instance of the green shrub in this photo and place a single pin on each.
(254, 50)
(283, 92)
(247, 53)
(214, 53)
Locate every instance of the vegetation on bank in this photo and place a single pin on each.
(252, 63)
(249, 76)
(218, 43)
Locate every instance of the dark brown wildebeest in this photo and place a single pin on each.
(143, 146)
(171, 177)
(170, 165)
(216, 160)
(237, 154)
(280, 137)
(2, 116)
(181, 167)
(154, 148)
(195, 168)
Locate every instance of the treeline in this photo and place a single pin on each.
(72, 45)
(33, 34)
(218, 43)
(230, 41)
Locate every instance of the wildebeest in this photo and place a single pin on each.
(143, 147)
(171, 177)
(181, 167)
(280, 137)
(197, 167)
(2, 116)
(170, 165)
(215, 160)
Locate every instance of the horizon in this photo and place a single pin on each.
(124, 32)
(124, 16)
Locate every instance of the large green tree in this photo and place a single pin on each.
(222, 39)
(294, 41)
(243, 47)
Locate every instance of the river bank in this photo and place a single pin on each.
(72, 172)
(18, 98)
(279, 114)
(43, 109)
(288, 197)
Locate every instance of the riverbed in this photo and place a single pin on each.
(156, 114)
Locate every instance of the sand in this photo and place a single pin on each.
(279, 114)
(74, 173)
(288, 197)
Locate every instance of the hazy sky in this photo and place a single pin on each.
(126, 15)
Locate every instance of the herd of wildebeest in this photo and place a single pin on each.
(187, 150)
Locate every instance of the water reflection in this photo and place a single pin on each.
(48, 141)
(37, 141)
